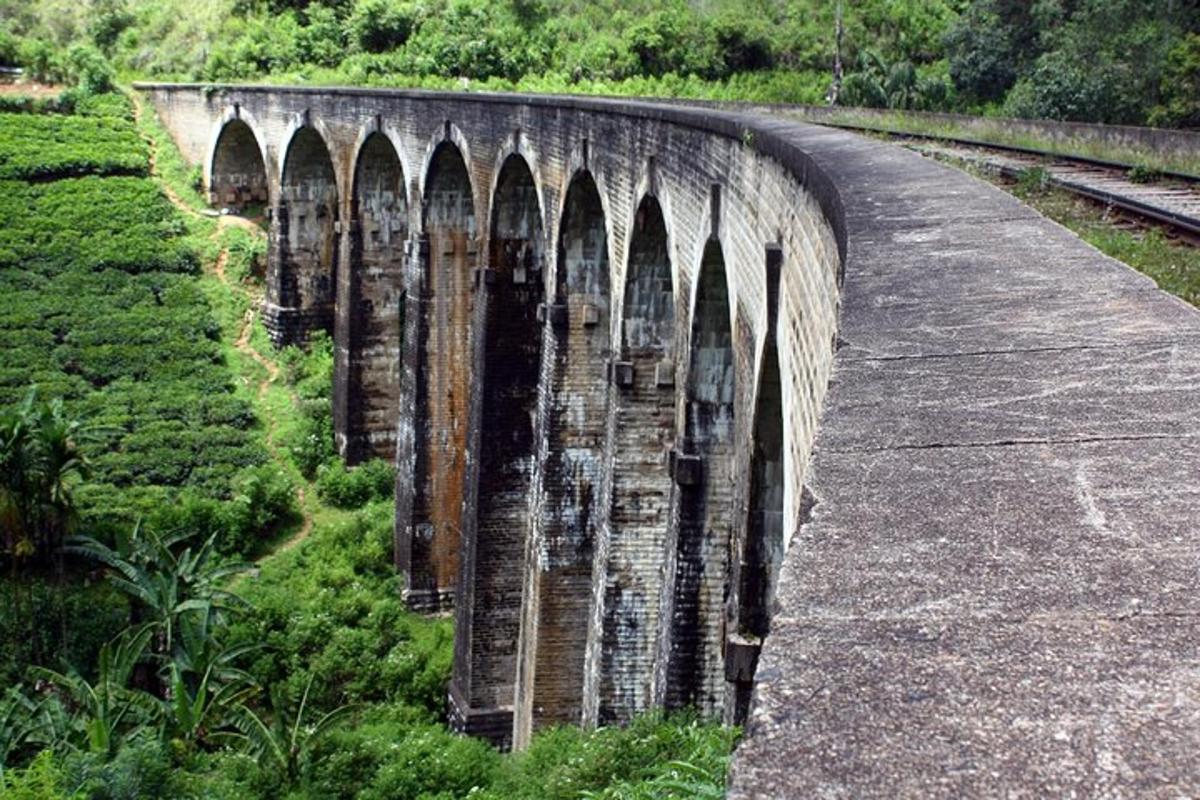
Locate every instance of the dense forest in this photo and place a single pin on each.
(1118, 61)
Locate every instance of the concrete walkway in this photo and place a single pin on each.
(996, 592)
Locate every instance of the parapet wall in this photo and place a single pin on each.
(606, 476)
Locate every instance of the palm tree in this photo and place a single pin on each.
(40, 463)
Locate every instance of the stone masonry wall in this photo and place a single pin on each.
(608, 590)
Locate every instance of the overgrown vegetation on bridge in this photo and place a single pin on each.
(1123, 61)
(140, 657)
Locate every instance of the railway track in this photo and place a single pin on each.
(1170, 200)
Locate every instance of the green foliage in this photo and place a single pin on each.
(167, 582)
(1144, 174)
(90, 70)
(877, 85)
(331, 608)
(100, 311)
(310, 372)
(377, 26)
(9, 48)
(41, 780)
(40, 463)
(91, 223)
(353, 488)
(263, 503)
(653, 757)
(1179, 86)
(55, 146)
(60, 625)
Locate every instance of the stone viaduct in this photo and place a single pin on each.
(597, 338)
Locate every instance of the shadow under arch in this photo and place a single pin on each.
(644, 401)
(442, 381)
(558, 569)
(304, 252)
(507, 297)
(371, 323)
(704, 477)
(237, 171)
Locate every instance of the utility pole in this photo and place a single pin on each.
(836, 89)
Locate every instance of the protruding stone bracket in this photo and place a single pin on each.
(584, 151)
(685, 469)
(664, 374)
(620, 373)
(741, 658)
(553, 313)
(484, 276)
(590, 316)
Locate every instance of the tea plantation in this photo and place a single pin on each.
(100, 307)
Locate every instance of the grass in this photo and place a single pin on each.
(987, 131)
(1173, 265)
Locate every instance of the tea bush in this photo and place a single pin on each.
(100, 309)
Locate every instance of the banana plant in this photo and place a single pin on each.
(107, 707)
(20, 724)
(163, 581)
(285, 742)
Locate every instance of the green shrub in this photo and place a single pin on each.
(310, 371)
(90, 70)
(331, 608)
(264, 501)
(392, 753)
(91, 223)
(377, 26)
(678, 756)
(353, 488)
(41, 780)
(60, 626)
(140, 769)
(42, 61)
(55, 145)
(10, 46)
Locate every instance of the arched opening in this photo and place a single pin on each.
(238, 174)
(763, 553)
(575, 423)
(644, 382)
(704, 477)
(373, 322)
(512, 289)
(443, 379)
(304, 241)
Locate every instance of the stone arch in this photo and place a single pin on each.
(644, 401)
(508, 295)
(763, 552)
(576, 348)
(371, 335)
(302, 277)
(451, 137)
(236, 167)
(704, 472)
(443, 375)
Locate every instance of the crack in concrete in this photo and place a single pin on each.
(1003, 443)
